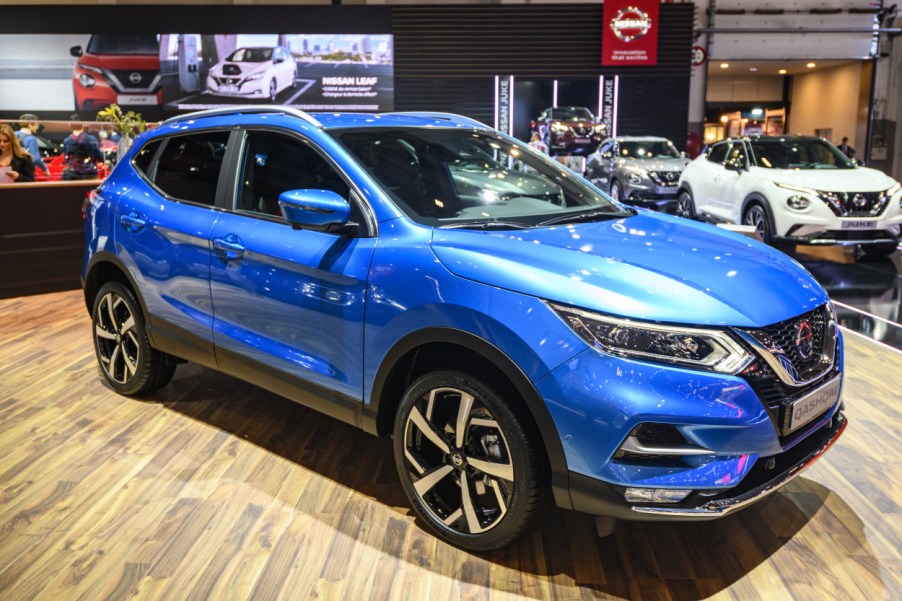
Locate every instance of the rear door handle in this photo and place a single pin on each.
(229, 247)
(132, 222)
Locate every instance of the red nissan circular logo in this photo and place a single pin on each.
(630, 23)
(804, 339)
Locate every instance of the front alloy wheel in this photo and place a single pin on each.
(616, 193)
(127, 360)
(467, 463)
(685, 205)
(757, 217)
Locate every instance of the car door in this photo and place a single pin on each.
(163, 233)
(706, 182)
(288, 302)
(726, 196)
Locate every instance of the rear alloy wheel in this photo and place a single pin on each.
(616, 192)
(127, 360)
(468, 462)
(686, 206)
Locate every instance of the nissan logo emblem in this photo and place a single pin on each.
(804, 339)
(135, 78)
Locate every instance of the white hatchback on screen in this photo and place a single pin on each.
(794, 190)
(260, 72)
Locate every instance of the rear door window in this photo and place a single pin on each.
(189, 166)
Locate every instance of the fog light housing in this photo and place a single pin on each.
(798, 202)
(655, 495)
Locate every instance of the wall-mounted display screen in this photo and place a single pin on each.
(178, 72)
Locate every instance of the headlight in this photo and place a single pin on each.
(90, 68)
(599, 129)
(255, 76)
(801, 189)
(798, 202)
(692, 347)
(86, 80)
(636, 177)
(894, 190)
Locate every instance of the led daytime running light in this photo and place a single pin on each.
(700, 348)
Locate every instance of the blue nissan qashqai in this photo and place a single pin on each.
(526, 340)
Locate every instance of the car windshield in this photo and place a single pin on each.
(651, 149)
(251, 55)
(572, 113)
(804, 153)
(124, 44)
(473, 178)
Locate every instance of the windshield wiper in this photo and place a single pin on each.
(485, 225)
(590, 216)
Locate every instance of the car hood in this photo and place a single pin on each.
(650, 267)
(244, 68)
(861, 179)
(674, 164)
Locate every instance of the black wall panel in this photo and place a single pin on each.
(446, 56)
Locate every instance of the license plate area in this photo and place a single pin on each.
(813, 404)
(136, 99)
(859, 224)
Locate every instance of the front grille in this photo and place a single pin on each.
(856, 204)
(136, 79)
(784, 335)
(665, 177)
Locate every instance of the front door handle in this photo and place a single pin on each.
(132, 222)
(229, 247)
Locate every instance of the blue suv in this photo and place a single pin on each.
(525, 340)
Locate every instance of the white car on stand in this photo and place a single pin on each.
(260, 72)
(794, 190)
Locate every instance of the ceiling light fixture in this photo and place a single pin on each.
(724, 65)
(811, 65)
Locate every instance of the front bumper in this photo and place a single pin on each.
(600, 498)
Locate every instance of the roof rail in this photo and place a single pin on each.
(444, 116)
(258, 108)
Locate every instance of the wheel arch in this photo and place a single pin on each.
(107, 267)
(448, 348)
(759, 199)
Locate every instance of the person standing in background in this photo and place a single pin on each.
(81, 151)
(536, 142)
(28, 138)
(15, 162)
(846, 149)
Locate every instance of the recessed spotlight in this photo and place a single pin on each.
(724, 65)
(811, 65)
(757, 112)
(782, 71)
(753, 68)
(724, 118)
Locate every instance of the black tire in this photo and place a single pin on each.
(478, 487)
(756, 215)
(616, 191)
(879, 250)
(127, 361)
(685, 206)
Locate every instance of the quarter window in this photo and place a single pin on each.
(189, 166)
(144, 156)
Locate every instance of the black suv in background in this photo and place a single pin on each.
(569, 129)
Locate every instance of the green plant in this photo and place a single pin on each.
(127, 124)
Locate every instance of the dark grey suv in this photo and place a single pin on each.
(637, 169)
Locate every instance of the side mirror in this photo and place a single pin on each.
(317, 210)
(76, 51)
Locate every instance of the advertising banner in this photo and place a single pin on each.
(184, 71)
(630, 33)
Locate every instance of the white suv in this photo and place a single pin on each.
(794, 190)
(253, 73)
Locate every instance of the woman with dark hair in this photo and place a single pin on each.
(15, 162)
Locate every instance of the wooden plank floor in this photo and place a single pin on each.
(214, 489)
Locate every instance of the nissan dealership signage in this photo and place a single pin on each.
(630, 33)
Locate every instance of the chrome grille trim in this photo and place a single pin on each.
(782, 361)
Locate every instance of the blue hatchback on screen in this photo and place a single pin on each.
(525, 340)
